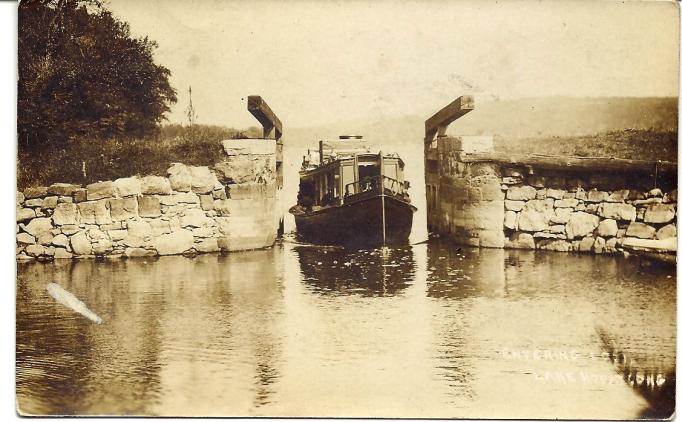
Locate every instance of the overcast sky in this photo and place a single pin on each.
(317, 62)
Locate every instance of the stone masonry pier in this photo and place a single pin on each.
(479, 197)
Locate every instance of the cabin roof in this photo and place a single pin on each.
(333, 164)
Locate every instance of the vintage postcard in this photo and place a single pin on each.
(366, 209)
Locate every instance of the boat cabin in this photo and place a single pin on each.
(348, 171)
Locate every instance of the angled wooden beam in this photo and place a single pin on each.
(438, 123)
(264, 114)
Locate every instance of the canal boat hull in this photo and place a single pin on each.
(358, 223)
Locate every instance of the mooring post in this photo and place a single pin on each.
(271, 123)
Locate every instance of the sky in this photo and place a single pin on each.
(317, 62)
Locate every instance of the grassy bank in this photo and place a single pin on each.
(649, 145)
(85, 161)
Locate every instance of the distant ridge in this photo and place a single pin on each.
(519, 118)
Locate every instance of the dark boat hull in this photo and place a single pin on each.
(358, 223)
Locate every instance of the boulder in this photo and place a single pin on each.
(133, 242)
(521, 193)
(35, 250)
(34, 203)
(180, 177)
(202, 179)
(24, 214)
(95, 234)
(94, 212)
(80, 244)
(617, 211)
(556, 245)
(194, 218)
(62, 189)
(206, 202)
(595, 195)
(656, 192)
(159, 227)
(514, 205)
(580, 194)
(116, 235)
(67, 199)
(123, 208)
(666, 232)
(174, 243)
(60, 240)
(208, 245)
(555, 193)
(50, 202)
(522, 240)
(659, 213)
(70, 229)
(557, 229)
(566, 203)
(510, 220)
(619, 196)
(102, 247)
(36, 192)
(26, 239)
(38, 226)
(155, 185)
(202, 232)
(169, 200)
(137, 252)
(599, 244)
(536, 215)
(61, 253)
(586, 244)
(80, 195)
(581, 224)
(139, 228)
(148, 206)
(607, 228)
(45, 239)
(236, 169)
(128, 186)
(101, 190)
(640, 230)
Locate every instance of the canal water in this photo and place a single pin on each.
(430, 330)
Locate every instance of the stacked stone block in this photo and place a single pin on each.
(568, 214)
(191, 210)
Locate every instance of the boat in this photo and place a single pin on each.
(351, 196)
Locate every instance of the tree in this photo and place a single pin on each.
(81, 74)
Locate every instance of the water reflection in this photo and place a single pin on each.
(430, 330)
(371, 272)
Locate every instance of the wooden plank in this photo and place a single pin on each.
(565, 162)
(448, 114)
(264, 114)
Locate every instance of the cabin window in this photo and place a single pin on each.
(347, 179)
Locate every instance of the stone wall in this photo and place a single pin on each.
(510, 203)
(230, 206)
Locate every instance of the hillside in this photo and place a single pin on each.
(513, 119)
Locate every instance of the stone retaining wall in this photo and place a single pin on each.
(515, 205)
(228, 207)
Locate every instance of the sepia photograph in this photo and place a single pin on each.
(449, 209)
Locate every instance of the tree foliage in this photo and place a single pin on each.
(82, 75)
